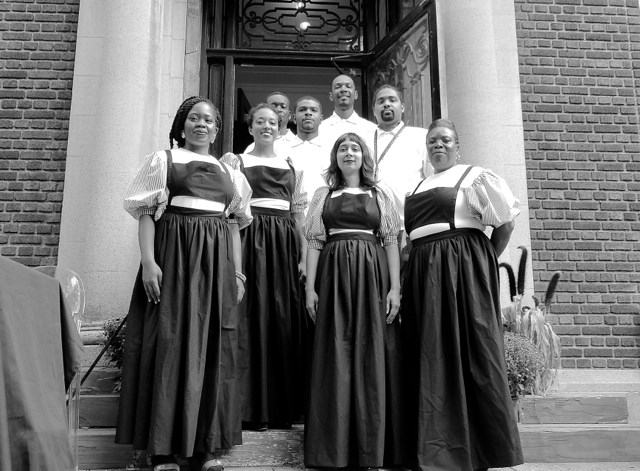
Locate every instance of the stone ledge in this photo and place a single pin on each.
(277, 449)
(580, 443)
(573, 409)
(597, 381)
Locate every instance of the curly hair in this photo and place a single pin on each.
(181, 116)
(333, 175)
(259, 106)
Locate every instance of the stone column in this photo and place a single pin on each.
(478, 55)
(127, 85)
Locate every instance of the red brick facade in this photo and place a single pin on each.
(37, 49)
(580, 81)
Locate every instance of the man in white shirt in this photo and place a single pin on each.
(399, 151)
(307, 150)
(344, 119)
(281, 103)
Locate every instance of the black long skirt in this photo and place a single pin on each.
(354, 413)
(458, 405)
(271, 322)
(179, 392)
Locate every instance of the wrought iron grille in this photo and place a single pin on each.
(311, 25)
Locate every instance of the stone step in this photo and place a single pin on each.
(580, 443)
(90, 354)
(99, 406)
(273, 448)
(600, 466)
(574, 409)
(598, 381)
(283, 448)
(99, 411)
(101, 380)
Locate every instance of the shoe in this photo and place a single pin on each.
(263, 427)
(212, 465)
(281, 426)
(167, 467)
(164, 463)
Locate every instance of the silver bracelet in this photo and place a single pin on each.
(241, 277)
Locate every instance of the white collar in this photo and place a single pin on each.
(353, 119)
(296, 141)
(288, 136)
(393, 131)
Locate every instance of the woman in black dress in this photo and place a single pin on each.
(459, 413)
(353, 296)
(271, 321)
(178, 377)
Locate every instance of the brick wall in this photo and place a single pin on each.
(37, 48)
(580, 82)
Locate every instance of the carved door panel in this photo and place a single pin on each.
(407, 59)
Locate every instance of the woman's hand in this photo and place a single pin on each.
(152, 280)
(240, 288)
(393, 305)
(312, 303)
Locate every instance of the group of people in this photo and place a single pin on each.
(270, 291)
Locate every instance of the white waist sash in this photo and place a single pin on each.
(271, 203)
(193, 202)
(431, 229)
(344, 231)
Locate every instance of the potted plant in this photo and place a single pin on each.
(538, 374)
(113, 340)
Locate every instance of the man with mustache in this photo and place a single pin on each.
(344, 119)
(398, 150)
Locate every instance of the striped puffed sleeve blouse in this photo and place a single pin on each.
(490, 199)
(300, 197)
(148, 193)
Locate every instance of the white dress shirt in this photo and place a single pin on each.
(334, 126)
(403, 165)
(280, 146)
(312, 157)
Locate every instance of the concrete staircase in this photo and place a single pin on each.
(593, 417)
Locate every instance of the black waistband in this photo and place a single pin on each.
(444, 235)
(352, 236)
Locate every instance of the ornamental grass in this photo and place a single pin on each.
(531, 324)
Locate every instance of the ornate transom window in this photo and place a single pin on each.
(311, 25)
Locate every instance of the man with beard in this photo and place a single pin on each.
(307, 151)
(399, 151)
(281, 103)
(344, 119)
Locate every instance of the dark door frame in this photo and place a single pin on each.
(428, 8)
(219, 62)
(221, 65)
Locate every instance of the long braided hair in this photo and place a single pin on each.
(181, 116)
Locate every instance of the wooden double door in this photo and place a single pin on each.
(241, 72)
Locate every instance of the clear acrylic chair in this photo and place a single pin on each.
(73, 291)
